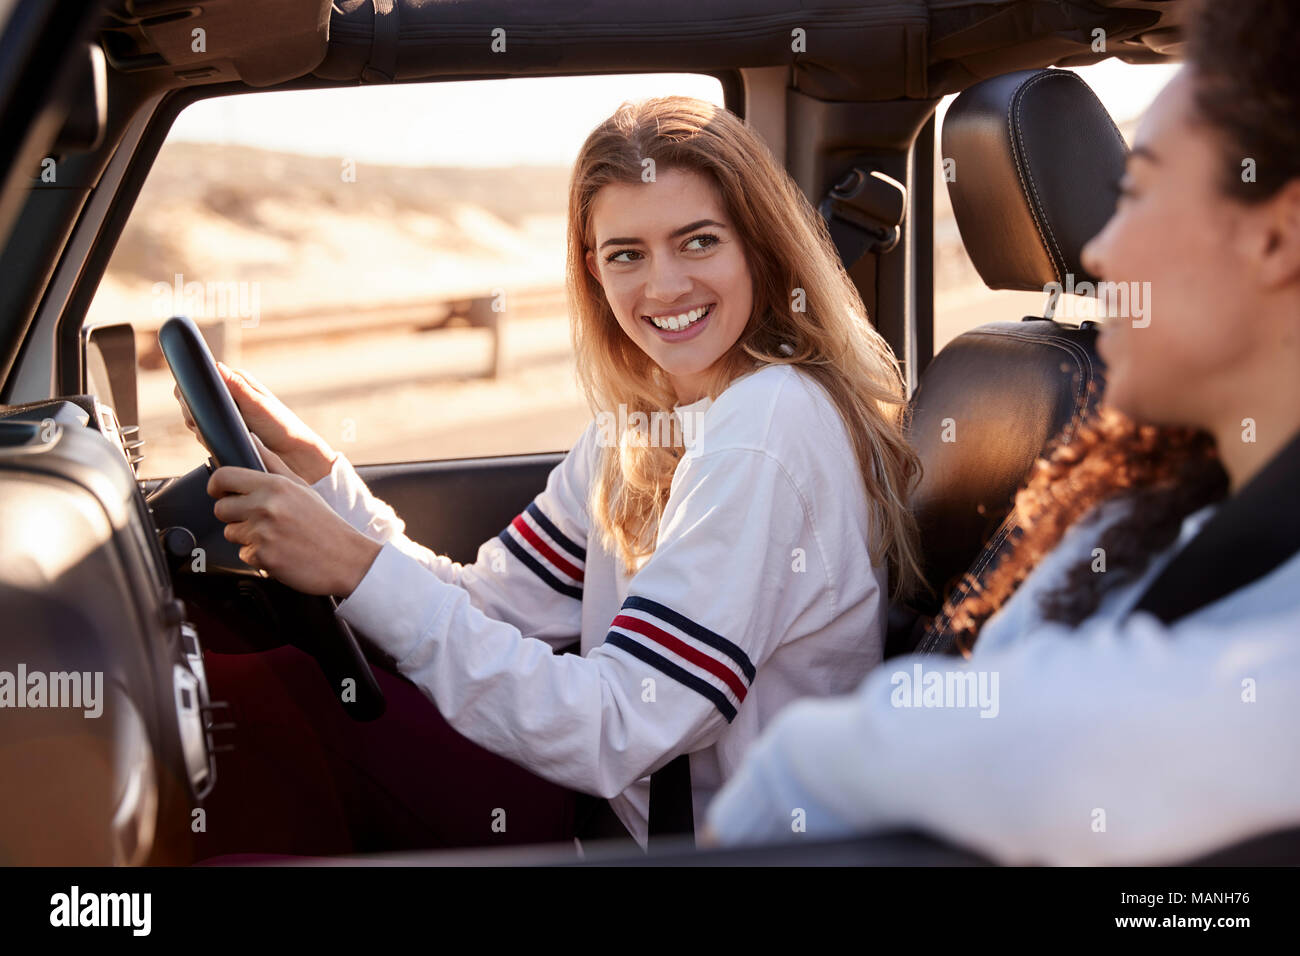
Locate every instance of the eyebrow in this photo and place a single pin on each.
(690, 227)
(1144, 152)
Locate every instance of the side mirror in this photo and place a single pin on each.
(108, 356)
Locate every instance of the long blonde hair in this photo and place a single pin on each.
(791, 258)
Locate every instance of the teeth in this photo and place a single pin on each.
(675, 323)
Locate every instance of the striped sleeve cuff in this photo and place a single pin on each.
(691, 654)
(556, 559)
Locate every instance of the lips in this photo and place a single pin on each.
(681, 321)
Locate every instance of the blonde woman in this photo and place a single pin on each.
(720, 538)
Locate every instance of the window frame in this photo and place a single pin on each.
(69, 373)
(105, 220)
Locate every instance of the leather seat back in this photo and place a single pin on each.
(986, 408)
(1037, 162)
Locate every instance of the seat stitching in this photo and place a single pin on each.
(990, 548)
(1075, 351)
(1014, 129)
(1066, 74)
(1115, 129)
(1072, 348)
(985, 556)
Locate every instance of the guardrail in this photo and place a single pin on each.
(230, 337)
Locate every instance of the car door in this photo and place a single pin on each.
(454, 506)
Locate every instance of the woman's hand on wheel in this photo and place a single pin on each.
(287, 529)
(307, 454)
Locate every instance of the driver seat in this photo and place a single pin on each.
(1038, 160)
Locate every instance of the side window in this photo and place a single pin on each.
(388, 260)
(961, 300)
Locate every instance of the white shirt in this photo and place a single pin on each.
(760, 591)
(1121, 742)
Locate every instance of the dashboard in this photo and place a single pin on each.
(85, 587)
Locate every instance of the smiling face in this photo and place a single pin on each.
(1200, 253)
(673, 272)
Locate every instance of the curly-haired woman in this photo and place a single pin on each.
(1142, 684)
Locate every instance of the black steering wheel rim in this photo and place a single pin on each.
(210, 403)
(217, 418)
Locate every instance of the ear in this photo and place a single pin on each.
(591, 265)
(1280, 261)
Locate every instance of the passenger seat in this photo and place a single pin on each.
(1037, 162)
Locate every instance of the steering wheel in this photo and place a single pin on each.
(218, 420)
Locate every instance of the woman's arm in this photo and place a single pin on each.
(530, 575)
(1133, 745)
(703, 615)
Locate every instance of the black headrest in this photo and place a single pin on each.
(1036, 163)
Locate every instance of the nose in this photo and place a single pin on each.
(1093, 255)
(668, 280)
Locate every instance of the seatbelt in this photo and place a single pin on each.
(1253, 532)
(671, 811)
(864, 214)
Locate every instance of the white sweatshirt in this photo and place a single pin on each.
(1121, 742)
(760, 591)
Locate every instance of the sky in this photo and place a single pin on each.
(528, 120)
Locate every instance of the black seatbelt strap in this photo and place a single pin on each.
(866, 277)
(671, 810)
(1253, 532)
(381, 66)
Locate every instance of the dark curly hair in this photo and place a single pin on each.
(1246, 90)
(1164, 473)
(1242, 56)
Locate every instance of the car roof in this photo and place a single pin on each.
(919, 49)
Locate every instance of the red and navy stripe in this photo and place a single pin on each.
(546, 551)
(685, 650)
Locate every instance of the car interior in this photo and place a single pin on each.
(96, 564)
